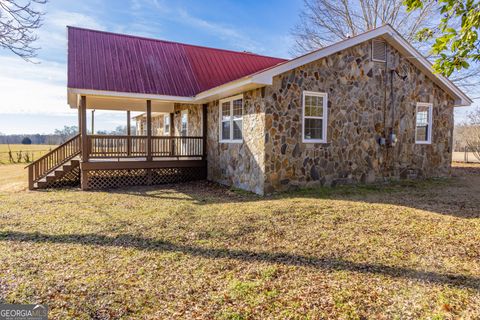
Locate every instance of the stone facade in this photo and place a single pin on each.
(157, 125)
(360, 111)
(194, 119)
(362, 108)
(239, 164)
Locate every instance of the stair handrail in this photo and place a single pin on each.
(41, 167)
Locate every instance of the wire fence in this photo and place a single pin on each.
(467, 156)
(21, 156)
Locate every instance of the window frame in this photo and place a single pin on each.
(324, 116)
(165, 118)
(430, 122)
(231, 119)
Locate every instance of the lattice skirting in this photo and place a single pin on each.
(117, 178)
(69, 179)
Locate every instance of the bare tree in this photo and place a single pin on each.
(19, 19)
(66, 132)
(323, 22)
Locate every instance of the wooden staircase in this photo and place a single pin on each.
(61, 176)
(59, 167)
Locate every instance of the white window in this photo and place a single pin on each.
(314, 117)
(184, 124)
(231, 119)
(166, 124)
(423, 123)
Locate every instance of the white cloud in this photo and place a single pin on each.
(53, 34)
(27, 87)
(235, 37)
(41, 88)
(228, 34)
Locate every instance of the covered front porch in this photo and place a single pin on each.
(103, 161)
(109, 161)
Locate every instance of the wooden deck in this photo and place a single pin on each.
(118, 161)
(111, 161)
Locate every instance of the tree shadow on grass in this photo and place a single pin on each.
(288, 259)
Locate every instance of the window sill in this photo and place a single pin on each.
(231, 141)
(315, 141)
(423, 142)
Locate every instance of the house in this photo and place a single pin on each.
(361, 110)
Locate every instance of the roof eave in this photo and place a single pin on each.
(390, 35)
(265, 77)
(461, 99)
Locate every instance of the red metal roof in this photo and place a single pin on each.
(100, 60)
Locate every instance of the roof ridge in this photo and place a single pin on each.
(175, 42)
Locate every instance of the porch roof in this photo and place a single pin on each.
(111, 62)
(121, 71)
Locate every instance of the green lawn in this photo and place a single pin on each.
(19, 152)
(200, 251)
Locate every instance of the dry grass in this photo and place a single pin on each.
(13, 177)
(404, 251)
(37, 150)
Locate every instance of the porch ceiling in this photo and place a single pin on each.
(125, 104)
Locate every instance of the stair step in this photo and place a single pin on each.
(57, 173)
(42, 183)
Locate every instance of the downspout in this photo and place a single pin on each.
(383, 143)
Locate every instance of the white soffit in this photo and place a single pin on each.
(124, 104)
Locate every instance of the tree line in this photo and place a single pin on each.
(58, 137)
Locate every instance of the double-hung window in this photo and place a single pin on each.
(314, 117)
(166, 124)
(231, 119)
(423, 123)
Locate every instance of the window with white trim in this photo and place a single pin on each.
(314, 117)
(166, 124)
(231, 119)
(423, 123)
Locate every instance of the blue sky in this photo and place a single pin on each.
(33, 97)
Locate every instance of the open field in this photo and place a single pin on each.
(403, 251)
(460, 157)
(37, 150)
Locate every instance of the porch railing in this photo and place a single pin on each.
(52, 160)
(109, 146)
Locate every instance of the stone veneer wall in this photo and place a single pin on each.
(157, 125)
(239, 164)
(194, 119)
(357, 117)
